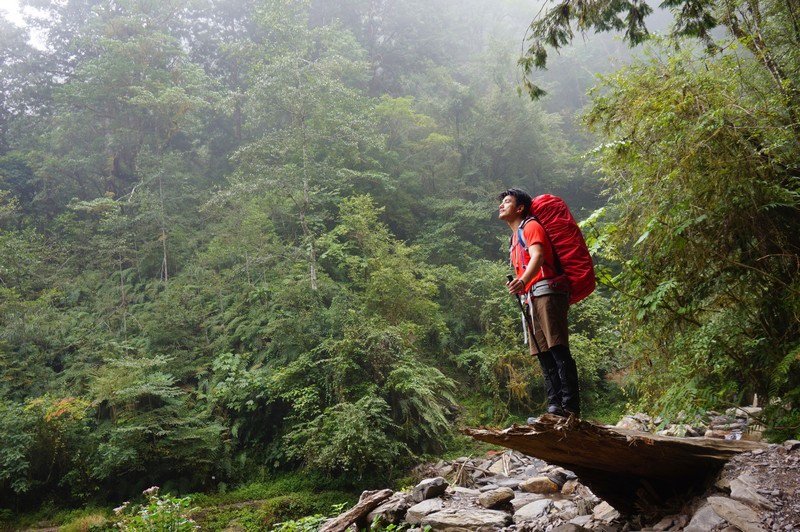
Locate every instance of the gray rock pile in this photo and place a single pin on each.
(733, 424)
(508, 491)
(755, 491)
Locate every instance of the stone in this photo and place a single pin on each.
(488, 487)
(743, 490)
(532, 471)
(605, 512)
(466, 519)
(468, 492)
(539, 485)
(791, 445)
(568, 527)
(584, 507)
(512, 483)
(415, 514)
(744, 411)
(581, 520)
(665, 524)
(569, 487)
(736, 513)
(521, 499)
(445, 470)
(532, 511)
(501, 466)
(495, 498)
(559, 476)
(392, 511)
(428, 489)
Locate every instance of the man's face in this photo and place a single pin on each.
(509, 210)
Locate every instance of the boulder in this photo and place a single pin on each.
(704, 519)
(736, 513)
(428, 489)
(791, 445)
(604, 512)
(539, 485)
(743, 489)
(495, 498)
(581, 520)
(505, 482)
(416, 513)
(521, 499)
(479, 520)
(392, 511)
(569, 487)
(532, 511)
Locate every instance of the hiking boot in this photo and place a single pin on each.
(568, 377)
(552, 382)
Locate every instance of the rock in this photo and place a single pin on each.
(568, 527)
(467, 492)
(392, 511)
(532, 511)
(605, 512)
(566, 509)
(581, 520)
(584, 507)
(522, 499)
(743, 490)
(494, 498)
(744, 411)
(680, 430)
(488, 487)
(569, 487)
(415, 514)
(791, 445)
(539, 485)
(704, 519)
(444, 471)
(428, 489)
(736, 513)
(466, 519)
(640, 422)
(501, 466)
(505, 482)
(532, 471)
(559, 476)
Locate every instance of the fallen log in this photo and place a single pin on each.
(367, 503)
(636, 472)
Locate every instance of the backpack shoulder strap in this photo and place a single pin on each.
(520, 236)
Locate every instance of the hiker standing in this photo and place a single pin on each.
(541, 284)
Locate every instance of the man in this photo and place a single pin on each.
(537, 273)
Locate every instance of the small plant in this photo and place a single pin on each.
(310, 523)
(160, 514)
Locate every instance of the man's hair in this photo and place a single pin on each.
(521, 197)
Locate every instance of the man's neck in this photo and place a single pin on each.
(515, 223)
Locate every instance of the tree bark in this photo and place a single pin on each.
(634, 471)
(359, 511)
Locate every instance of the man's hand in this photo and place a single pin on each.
(516, 286)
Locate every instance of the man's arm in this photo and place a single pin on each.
(517, 286)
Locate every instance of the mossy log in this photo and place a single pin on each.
(636, 472)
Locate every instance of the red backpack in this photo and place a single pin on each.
(569, 247)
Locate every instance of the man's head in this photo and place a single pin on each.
(514, 203)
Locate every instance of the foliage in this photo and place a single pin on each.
(701, 225)
(159, 513)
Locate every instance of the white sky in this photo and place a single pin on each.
(10, 10)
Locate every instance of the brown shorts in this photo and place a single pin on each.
(549, 317)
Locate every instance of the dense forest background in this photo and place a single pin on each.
(248, 236)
